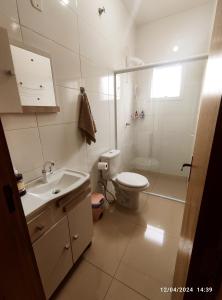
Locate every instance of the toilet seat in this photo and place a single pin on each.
(132, 180)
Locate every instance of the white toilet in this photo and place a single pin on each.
(127, 185)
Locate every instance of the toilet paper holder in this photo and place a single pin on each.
(102, 166)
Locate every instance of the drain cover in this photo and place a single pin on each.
(55, 191)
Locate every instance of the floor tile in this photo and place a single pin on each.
(160, 212)
(110, 239)
(142, 283)
(119, 291)
(166, 185)
(150, 258)
(85, 283)
(172, 186)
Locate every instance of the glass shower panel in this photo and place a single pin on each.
(157, 118)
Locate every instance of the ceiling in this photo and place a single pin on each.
(145, 11)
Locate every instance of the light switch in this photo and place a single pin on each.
(37, 4)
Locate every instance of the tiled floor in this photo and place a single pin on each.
(132, 255)
(167, 185)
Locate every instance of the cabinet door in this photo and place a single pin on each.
(81, 227)
(34, 77)
(53, 255)
(9, 95)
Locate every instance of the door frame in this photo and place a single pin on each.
(203, 157)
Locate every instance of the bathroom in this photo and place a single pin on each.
(141, 65)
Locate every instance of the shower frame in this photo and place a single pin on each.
(203, 56)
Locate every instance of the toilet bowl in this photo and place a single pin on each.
(128, 186)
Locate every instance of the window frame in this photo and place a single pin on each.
(166, 98)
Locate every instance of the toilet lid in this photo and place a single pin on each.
(132, 179)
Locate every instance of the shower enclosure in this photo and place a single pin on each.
(156, 117)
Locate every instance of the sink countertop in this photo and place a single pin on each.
(32, 203)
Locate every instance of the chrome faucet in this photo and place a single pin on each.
(44, 172)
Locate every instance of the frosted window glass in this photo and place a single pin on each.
(166, 82)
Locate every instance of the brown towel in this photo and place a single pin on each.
(86, 122)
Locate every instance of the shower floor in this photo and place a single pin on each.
(166, 185)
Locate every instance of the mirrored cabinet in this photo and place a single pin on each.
(26, 79)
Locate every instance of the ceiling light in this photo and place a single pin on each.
(64, 2)
(175, 48)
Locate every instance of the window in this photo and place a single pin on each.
(166, 82)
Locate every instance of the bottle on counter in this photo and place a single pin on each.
(20, 183)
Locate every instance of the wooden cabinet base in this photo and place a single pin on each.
(40, 109)
(60, 233)
(54, 256)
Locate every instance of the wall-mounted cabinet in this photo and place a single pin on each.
(26, 79)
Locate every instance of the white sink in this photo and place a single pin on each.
(59, 184)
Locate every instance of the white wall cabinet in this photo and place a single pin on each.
(9, 96)
(34, 77)
(26, 79)
(60, 232)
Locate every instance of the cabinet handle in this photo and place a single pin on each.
(67, 246)
(40, 227)
(75, 237)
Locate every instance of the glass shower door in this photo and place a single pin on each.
(163, 113)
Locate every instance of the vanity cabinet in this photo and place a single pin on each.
(53, 255)
(60, 232)
(80, 232)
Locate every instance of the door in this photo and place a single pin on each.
(19, 276)
(81, 227)
(210, 103)
(54, 256)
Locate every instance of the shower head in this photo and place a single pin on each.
(133, 61)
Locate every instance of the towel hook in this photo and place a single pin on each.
(82, 90)
(101, 10)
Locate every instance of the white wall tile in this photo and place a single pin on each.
(9, 9)
(13, 28)
(25, 149)
(65, 63)
(53, 142)
(76, 148)
(56, 21)
(190, 30)
(96, 78)
(69, 103)
(18, 121)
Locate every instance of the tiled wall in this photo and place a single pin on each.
(85, 49)
(190, 30)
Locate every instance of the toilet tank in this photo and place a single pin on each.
(112, 157)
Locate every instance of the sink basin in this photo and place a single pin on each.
(59, 184)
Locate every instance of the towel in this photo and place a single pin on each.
(86, 122)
